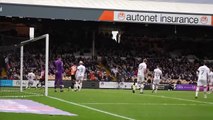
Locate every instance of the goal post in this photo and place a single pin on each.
(46, 37)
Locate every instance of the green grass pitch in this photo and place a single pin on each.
(107, 104)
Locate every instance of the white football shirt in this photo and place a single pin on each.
(142, 69)
(211, 77)
(203, 72)
(31, 76)
(80, 70)
(157, 74)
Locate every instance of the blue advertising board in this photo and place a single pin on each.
(6, 83)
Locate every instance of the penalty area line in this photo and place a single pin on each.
(181, 99)
(90, 108)
(144, 104)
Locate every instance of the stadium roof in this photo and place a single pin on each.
(174, 6)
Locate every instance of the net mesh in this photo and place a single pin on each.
(33, 61)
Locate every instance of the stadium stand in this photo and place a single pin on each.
(116, 61)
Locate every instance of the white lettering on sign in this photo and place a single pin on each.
(146, 17)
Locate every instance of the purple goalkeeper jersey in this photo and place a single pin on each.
(58, 66)
(58, 72)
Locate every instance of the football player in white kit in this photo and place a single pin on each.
(211, 82)
(156, 79)
(203, 73)
(31, 77)
(79, 76)
(141, 75)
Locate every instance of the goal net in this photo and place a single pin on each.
(23, 68)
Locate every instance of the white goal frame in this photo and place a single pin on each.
(46, 37)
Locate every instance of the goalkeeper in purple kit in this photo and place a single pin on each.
(58, 73)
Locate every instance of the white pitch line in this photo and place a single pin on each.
(30, 94)
(21, 96)
(144, 104)
(91, 108)
(181, 99)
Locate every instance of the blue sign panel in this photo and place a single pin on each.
(6, 83)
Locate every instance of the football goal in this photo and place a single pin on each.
(20, 83)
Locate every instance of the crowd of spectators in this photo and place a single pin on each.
(105, 67)
(113, 60)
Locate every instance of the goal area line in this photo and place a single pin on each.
(27, 94)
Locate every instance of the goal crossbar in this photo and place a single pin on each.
(46, 36)
(34, 39)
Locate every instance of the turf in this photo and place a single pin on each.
(165, 105)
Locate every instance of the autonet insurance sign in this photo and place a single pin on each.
(162, 18)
